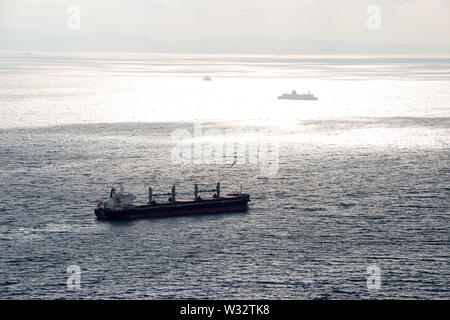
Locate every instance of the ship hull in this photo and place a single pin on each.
(296, 98)
(179, 208)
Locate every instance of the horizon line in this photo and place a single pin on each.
(235, 55)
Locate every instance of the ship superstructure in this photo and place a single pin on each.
(295, 96)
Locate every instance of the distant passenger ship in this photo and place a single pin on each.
(295, 96)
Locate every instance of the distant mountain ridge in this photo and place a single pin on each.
(79, 41)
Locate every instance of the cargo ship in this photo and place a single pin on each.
(120, 205)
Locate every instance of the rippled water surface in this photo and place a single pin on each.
(362, 180)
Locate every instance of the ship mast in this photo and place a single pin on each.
(150, 194)
(173, 193)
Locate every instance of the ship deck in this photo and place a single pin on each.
(187, 202)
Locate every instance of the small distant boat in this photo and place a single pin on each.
(207, 78)
(295, 96)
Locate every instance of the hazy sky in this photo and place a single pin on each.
(228, 26)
